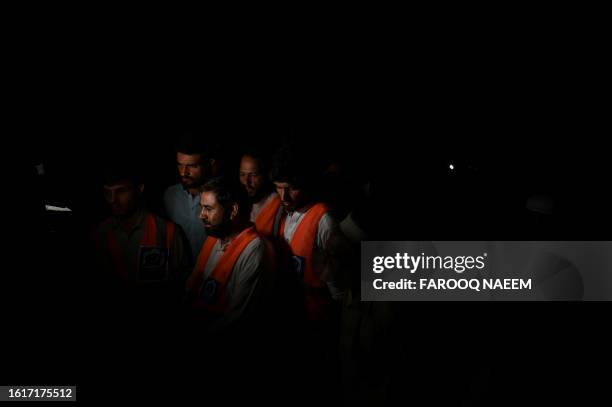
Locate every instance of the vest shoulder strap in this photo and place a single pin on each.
(196, 277)
(278, 221)
(224, 268)
(264, 223)
(308, 227)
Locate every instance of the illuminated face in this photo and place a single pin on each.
(291, 198)
(191, 169)
(215, 217)
(251, 176)
(122, 197)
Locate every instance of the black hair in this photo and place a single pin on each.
(292, 166)
(192, 143)
(229, 192)
(119, 171)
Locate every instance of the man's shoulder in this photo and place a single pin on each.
(328, 226)
(257, 243)
(159, 219)
(173, 189)
(327, 221)
(266, 201)
(172, 195)
(255, 248)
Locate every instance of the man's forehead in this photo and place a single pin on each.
(249, 162)
(188, 158)
(208, 198)
(118, 185)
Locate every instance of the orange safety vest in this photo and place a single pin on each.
(264, 223)
(149, 239)
(212, 293)
(317, 299)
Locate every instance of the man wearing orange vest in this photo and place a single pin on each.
(224, 282)
(310, 237)
(266, 203)
(138, 249)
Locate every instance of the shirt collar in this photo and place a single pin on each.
(191, 198)
(301, 211)
(224, 246)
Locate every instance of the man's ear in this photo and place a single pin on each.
(235, 211)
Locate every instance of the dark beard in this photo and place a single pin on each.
(221, 230)
(192, 186)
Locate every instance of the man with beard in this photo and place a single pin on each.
(309, 238)
(311, 248)
(182, 201)
(138, 249)
(254, 178)
(229, 266)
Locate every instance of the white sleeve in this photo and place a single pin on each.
(243, 282)
(329, 244)
(326, 229)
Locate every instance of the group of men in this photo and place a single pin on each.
(231, 245)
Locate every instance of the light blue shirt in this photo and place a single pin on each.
(184, 210)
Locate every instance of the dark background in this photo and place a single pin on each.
(515, 117)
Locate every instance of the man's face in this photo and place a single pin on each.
(214, 216)
(251, 176)
(291, 198)
(191, 169)
(122, 197)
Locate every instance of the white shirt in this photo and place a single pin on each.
(243, 280)
(327, 228)
(325, 251)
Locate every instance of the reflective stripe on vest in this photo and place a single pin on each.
(264, 223)
(221, 273)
